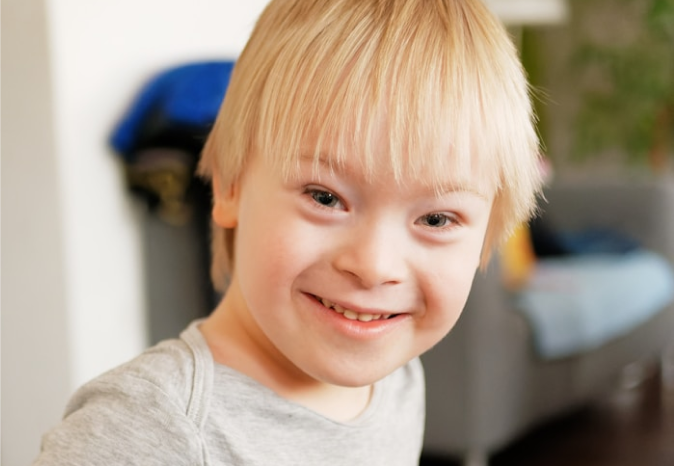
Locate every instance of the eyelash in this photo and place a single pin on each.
(315, 193)
(447, 221)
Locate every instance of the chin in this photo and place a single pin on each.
(358, 376)
(352, 382)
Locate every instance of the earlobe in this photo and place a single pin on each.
(225, 204)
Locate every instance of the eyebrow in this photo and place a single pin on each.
(324, 159)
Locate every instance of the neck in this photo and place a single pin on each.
(232, 337)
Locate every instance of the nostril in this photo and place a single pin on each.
(372, 257)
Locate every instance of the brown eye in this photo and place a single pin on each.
(324, 198)
(435, 220)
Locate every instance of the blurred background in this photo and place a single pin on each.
(94, 270)
(75, 299)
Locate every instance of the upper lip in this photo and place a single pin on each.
(357, 309)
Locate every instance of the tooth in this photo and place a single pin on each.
(365, 317)
(376, 317)
(349, 314)
(326, 303)
(339, 309)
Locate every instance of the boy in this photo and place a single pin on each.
(368, 157)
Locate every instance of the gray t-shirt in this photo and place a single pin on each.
(173, 405)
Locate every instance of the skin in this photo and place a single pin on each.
(376, 247)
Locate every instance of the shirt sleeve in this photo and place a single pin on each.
(123, 420)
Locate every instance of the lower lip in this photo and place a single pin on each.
(355, 328)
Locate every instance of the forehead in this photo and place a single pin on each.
(384, 180)
(375, 155)
(426, 100)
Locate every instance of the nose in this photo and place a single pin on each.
(374, 254)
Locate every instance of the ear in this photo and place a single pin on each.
(225, 204)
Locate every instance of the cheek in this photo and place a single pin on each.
(261, 259)
(451, 294)
(445, 304)
(271, 251)
(447, 290)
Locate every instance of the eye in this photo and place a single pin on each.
(325, 198)
(437, 220)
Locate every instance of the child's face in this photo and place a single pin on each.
(347, 279)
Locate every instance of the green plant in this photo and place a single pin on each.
(626, 81)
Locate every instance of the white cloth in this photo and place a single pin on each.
(173, 405)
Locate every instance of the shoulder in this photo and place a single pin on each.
(161, 372)
(146, 411)
(174, 373)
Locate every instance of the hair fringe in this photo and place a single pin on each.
(442, 78)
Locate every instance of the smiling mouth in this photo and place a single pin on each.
(352, 315)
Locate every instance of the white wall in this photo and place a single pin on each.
(72, 274)
(35, 364)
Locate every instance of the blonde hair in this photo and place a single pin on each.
(439, 73)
